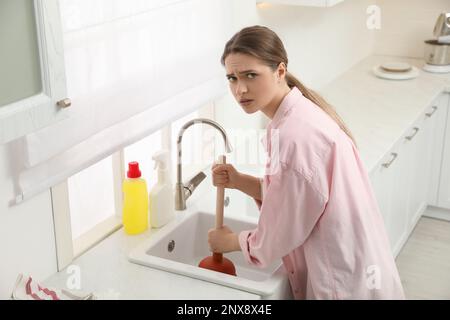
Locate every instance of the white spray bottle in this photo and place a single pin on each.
(161, 199)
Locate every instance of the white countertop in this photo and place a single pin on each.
(377, 111)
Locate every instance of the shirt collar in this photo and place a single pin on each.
(285, 106)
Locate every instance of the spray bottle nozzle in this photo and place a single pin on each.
(161, 159)
(162, 163)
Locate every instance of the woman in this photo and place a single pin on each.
(318, 212)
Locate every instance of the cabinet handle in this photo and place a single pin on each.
(388, 164)
(64, 103)
(412, 136)
(429, 114)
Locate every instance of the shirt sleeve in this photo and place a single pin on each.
(259, 202)
(290, 208)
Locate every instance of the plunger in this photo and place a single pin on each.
(217, 261)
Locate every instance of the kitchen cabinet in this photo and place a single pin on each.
(425, 160)
(438, 114)
(391, 197)
(309, 3)
(444, 183)
(418, 168)
(403, 178)
(33, 82)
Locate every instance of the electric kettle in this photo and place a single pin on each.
(437, 51)
(442, 27)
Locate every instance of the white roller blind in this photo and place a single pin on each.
(131, 67)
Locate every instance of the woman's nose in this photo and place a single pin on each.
(241, 88)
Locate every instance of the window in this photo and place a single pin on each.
(91, 196)
(92, 206)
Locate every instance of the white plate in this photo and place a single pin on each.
(396, 66)
(411, 74)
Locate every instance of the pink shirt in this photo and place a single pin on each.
(318, 212)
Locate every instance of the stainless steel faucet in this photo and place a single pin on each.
(184, 191)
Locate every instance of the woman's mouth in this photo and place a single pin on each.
(245, 102)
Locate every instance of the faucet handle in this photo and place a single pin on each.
(192, 184)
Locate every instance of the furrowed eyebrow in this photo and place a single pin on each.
(242, 72)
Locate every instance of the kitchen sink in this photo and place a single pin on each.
(182, 244)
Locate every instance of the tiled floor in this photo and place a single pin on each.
(424, 262)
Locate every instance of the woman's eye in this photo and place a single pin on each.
(231, 79)
(251, 75)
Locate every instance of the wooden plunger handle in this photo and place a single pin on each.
(220, 198)
(219, 209)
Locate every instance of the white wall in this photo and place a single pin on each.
(405, 24)
(27, 243)
(321, 42)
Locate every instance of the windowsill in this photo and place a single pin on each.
(98, 233)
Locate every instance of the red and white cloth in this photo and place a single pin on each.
(26, 288)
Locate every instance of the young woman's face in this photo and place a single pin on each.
(254, 85)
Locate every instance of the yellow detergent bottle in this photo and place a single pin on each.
(135, 202)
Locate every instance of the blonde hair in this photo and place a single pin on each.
(264, 44)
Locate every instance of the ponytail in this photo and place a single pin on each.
(319, 101)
